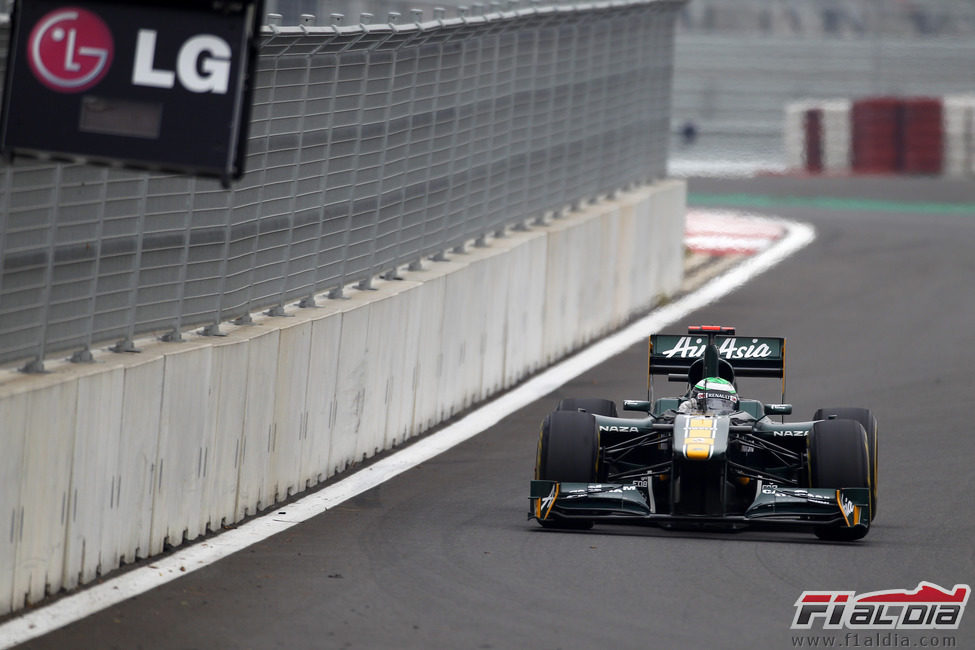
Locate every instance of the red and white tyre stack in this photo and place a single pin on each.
(818, 136)
(882, 135)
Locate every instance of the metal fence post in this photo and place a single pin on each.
(469, 230)
(410, 116)
(278, 310)
(508, 99)
(485, 221)
(274, 309)
(646, 100)
(527, 203)
(627, 107)
(548, 179)
(606, 157)
(377, 213)
(364, 283)
(457, 243)
(36, 365)
(175, 335)
(338, 282)
(441, 254)
(309, 299)
(127, 343)
(213, 328)
(84, 355)
(584, 183)
(567, 180)
(425, 248)
(665, 30)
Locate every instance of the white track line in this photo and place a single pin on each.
(196, 556)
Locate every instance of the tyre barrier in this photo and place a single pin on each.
(921, 137)
(877, 142)
(882, 135)
(818, 136)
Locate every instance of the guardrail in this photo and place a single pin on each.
(371, 147)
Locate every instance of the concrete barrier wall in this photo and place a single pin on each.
(13, 415)
(108, 462)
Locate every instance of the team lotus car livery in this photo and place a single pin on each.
(687, 462)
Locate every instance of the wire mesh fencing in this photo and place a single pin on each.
(371, 147)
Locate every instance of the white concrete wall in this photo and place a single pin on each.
(113, 461)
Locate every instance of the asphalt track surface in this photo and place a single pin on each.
(879, 311)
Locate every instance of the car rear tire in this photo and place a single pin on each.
(838, 458)
(568, 452)
(594, 405)
(869, 423)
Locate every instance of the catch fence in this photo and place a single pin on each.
(371, 147)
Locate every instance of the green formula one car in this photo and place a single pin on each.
(708, 458)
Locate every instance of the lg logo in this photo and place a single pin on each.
(202, 65)
(71, 50)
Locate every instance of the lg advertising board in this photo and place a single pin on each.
(156, 85)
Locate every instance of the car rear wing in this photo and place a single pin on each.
(748, 356)
(709, 351)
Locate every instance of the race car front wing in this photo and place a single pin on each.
(773, 506)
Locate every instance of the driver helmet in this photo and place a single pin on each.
(715, 395)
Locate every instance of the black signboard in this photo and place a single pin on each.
(158, 85)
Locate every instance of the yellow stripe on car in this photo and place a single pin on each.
(699, 438)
